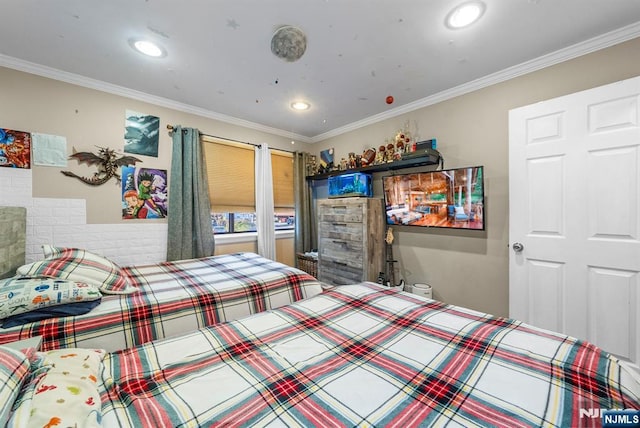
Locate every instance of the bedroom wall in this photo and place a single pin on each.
(465, 268)
(471, 268)
(62, 210)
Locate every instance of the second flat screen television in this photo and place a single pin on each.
(451, 198)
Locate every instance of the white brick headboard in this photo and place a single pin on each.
(49, 222)
(13, 239)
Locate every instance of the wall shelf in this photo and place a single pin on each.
(427, 159)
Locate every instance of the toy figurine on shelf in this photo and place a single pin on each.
(381, 155)
(312, 166)
(352, 161)
(400, 146)
(401, 136)
(404, 137)
(343, 164)
(368, 157)
(388, 155)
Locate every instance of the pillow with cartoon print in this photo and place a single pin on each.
(66, 395)
(19, 295)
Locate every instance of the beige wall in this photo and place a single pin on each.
(465, 268)
(471, 268)
(90, 118)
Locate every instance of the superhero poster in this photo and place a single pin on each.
(144, 193)
(15, 148)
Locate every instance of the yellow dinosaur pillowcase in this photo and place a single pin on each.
(67, 394)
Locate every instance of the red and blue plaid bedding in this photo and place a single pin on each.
(175, 298)
(361, 356)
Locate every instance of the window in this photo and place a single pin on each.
(282, 171)
(230, 170)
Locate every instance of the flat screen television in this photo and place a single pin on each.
(450, 198)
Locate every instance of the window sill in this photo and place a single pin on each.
(234, 238)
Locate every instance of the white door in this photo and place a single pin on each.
(574, 210)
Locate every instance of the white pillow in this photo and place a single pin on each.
(459, 210)
(80, 265)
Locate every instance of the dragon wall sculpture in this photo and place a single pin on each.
(107, 163)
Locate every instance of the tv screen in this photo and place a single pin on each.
(446, 198)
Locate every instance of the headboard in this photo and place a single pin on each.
(13, 239)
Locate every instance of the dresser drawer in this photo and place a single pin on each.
(334, 272)
(346, 252)
(341, 213)
(344, 231)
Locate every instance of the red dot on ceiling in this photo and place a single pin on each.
(389, 99)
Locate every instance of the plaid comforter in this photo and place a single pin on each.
(175, 298)
(361, 356)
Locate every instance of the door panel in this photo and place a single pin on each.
(546, 285)
(546, 209)
(612, 180)
(614, 303)
(574, 180)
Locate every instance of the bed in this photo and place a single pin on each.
(157, 300)
(355, 355)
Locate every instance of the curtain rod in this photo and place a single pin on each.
(170, 128)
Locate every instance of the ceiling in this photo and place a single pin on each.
(219, 62)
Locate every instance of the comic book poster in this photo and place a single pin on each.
(141, 133)
(144, 193)
(15, 148)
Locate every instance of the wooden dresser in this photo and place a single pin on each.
(351, 240)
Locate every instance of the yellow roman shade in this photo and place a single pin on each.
(230, 170)
(282, 171)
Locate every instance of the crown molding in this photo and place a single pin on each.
(75, 79)
(588, 46)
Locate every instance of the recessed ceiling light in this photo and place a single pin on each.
(300, 105)
(465, 14)
(148, 48)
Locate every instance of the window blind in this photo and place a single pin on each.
(230, 171)
(282, 171)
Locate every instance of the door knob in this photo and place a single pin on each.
(518, 247)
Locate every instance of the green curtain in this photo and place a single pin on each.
(306, 229)
(190, 231)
